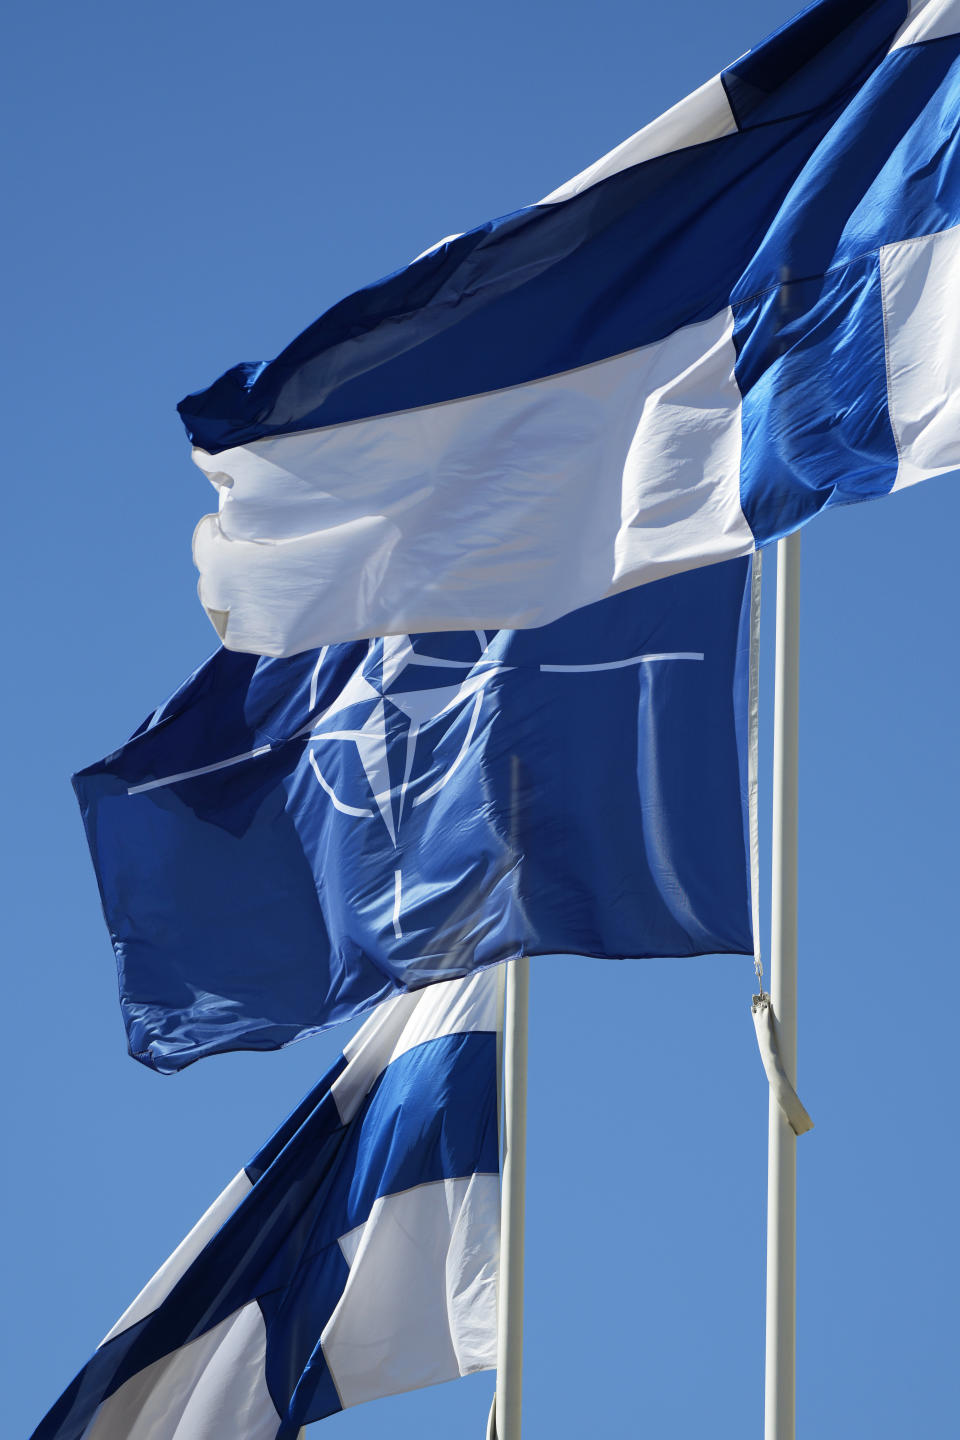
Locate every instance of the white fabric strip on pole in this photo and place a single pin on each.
(780, 1386)
(508, 1398)
(786, 1097)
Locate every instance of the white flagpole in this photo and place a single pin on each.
(508, 1398)
(780, 1388)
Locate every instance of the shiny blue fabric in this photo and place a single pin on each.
(431, 1116)
(414, 814)
(809, 327)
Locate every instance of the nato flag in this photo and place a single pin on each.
(285, 843)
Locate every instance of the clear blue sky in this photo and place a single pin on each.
(188, 185)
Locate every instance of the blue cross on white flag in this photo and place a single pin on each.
(742, 315)
(354, 1257)
(287, 842)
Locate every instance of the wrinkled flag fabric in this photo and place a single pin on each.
(287, 842)
(739, 317)
(354, 1257)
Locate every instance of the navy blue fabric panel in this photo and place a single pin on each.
(816, 429)
(431, 1115)
(527, 809)
(255, 703)
(247, 908)
(888, 171)
(828, 49)
(247, 905)
(645, 880)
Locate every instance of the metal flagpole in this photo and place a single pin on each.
(780, 1388)
(508, 1398)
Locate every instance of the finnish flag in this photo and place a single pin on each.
(742, 315)
(287, 842)
(354, 1257)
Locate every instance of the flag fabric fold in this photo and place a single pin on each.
(354, 1257)
(738, 318)
(287, 842)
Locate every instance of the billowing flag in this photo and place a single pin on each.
(287, 842)
(742, 315)
(354, 1257)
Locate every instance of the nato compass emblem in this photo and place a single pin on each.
(400, 691)
(395, 695)
(391, 683)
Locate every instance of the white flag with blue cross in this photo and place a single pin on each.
(354, 1257)
(743, 315)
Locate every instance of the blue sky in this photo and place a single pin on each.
(193, 184)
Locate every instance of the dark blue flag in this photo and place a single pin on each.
(287, 842)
